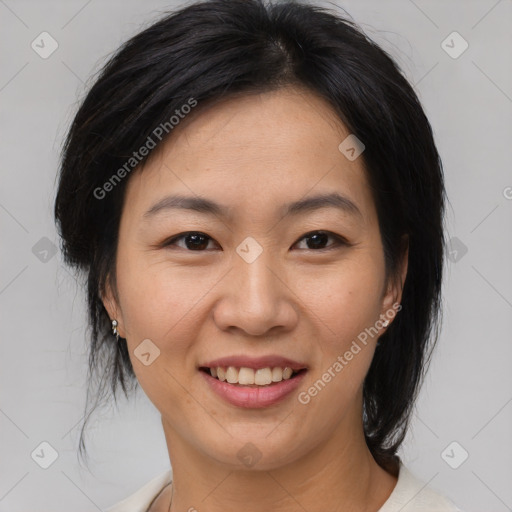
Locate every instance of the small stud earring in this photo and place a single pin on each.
(114, 329)
(385, 323)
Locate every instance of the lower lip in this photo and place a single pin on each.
(253, 397)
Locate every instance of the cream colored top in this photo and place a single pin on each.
(409, 495)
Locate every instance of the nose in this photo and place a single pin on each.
(256, 298)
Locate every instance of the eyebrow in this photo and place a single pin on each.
(209, 207)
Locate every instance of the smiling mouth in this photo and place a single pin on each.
(249, 377)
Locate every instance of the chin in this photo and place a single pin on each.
(256, 452)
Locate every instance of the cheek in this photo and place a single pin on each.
(161, 301)
(344, 298)
(344, 303)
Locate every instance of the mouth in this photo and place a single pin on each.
(253, 382)
(252, 377)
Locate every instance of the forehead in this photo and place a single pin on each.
(255, 152)
(289, 120)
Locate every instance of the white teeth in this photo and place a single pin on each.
(277, 374)
(246, 376)
(232, 375)
(250, 377)
(263, 376)
(287, 373)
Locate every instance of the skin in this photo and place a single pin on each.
(252, 154)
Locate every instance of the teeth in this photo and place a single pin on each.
(245, 376)
(287, 373)
(232, 375)
(263, 376)
(277, 374)
(249, 377)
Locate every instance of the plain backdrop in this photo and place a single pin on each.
(465, 407)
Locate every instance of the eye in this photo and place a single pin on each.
(198, 241)
(194, 240)
(319, 239)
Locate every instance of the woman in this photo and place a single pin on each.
(255, 197)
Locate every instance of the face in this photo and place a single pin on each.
(256, 279)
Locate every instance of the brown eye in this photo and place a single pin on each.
(193, 241)
(317, 240)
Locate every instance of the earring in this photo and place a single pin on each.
(385, 323)
(114, 329)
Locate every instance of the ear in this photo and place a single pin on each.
(395, 286)
(111, 304)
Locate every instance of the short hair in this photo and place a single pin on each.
(211, 50)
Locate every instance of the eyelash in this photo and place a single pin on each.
(339, 241)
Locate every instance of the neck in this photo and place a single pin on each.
(339, 474)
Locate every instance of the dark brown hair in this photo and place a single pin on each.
(209, 51)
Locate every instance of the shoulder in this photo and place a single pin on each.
(413, 495)
(409, 495)
(140, 500)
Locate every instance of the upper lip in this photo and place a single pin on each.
(271, 361)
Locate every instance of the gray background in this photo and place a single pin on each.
(467, 396)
